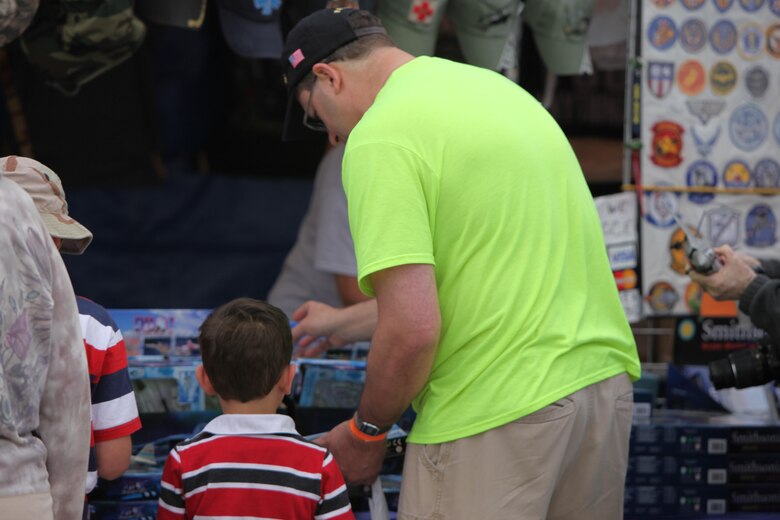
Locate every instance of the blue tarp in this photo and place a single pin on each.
(192, 242)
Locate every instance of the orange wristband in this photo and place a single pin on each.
(364, 436)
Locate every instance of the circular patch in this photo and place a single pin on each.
(723, 36)
(686, 328)
(691, 77)
(757, 81)
(774, 5)
(751, 6)
(662, 297)
(773, 40)
(662, 3)
(748, 127)
(777, 128)
(750, 44)
(723, 5)
(677, 251)
(661, 207)
(736, 174)
(701, 173)
(662, 32)
(760, 227)
(692, 5)
(693, 302)
(767, 174)
(693, 35)
(723, 78)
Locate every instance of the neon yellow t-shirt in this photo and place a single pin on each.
(458, 167)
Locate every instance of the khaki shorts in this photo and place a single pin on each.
(482, 26)
(567, 460)
(34, 505)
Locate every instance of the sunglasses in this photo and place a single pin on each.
(312, 123)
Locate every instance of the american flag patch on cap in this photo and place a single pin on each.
(296, 58)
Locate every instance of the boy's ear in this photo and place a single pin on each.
(204, 381)
(286, 381)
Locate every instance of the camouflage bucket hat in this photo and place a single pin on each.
(15, 17)
(74, 41)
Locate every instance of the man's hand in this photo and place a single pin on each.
(315, 330)
(360, 461)
(731, 279)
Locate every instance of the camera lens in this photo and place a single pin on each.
(721, 374)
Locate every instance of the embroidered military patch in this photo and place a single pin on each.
(722, 226)
(748, 127)
(723, 5)
(692, 5)
(760, 227)
(704, 140)
(691, 77)
(757, 81)
(766, 173)
(693, 35)
(661, 207)
(662, 32)
(667, 144)
(736, 174)
(723, 36)
(660, 77)
(773, 40)
(692, 298)
(723, 78)
(751, 6)
(705, 109)
(662, 297)
(701, 174)
(750, 42)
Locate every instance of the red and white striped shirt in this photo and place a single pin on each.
(252, 466)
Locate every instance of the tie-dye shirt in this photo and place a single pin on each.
(44, 390)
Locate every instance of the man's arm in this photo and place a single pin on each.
(320, 326)
(399, 364)
(404, 343)
(349, 292)
(113, 457)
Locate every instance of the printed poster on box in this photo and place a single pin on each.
(160, 332)
(710, 120)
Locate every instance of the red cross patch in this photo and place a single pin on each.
(423, 11)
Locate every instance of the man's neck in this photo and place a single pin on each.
(264, 405)
(380, 64)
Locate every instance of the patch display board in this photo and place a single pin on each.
(710, 132)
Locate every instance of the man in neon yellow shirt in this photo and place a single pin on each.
(497, 314)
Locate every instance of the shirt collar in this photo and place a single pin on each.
(232, 424)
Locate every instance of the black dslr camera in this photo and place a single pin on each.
(749, 367)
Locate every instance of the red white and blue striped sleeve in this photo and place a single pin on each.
(171, 503)
(334, 501)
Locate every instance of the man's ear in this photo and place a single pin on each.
(204, 381)
(286, 381)
(329, 74)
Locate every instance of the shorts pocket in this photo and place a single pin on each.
(552, 412)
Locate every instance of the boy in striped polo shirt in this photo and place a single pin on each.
(250, 462)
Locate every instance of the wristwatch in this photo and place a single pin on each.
(369, 429)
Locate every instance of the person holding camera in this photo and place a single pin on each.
(755, 283)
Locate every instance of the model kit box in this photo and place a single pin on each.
(654, 501)
(130, 486)
(115, 510)
(160, 332)
(325, 383)
(703, 470)
(704, 434)
(166, 384)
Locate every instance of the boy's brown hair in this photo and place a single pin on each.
(245, 345)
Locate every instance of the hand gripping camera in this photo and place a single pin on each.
(701, 256)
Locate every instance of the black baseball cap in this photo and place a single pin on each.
(313, 39)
